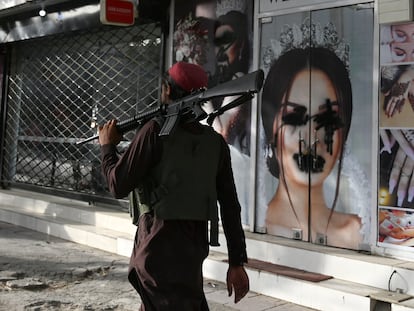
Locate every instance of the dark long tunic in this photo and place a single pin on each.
(166, 261)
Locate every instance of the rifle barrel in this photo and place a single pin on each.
(246, 86)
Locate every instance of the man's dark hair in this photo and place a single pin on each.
(177, 92)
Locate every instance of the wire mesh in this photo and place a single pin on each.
(61, 88)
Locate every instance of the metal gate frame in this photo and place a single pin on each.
(59, 89)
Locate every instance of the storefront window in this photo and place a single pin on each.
(313, 179)
(396, 112)
(217, 35)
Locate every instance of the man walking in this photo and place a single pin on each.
(178, 180)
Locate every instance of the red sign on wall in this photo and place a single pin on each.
(117, 12)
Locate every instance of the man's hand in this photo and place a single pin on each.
(238, 280)
(108, 134)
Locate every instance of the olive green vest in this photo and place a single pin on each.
(183, 184)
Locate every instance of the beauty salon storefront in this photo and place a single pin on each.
(308, 152)
(308, 141)
(322, 155)
(316, 156)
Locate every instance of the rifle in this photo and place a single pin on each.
(190, 106)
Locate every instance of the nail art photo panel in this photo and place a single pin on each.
(396, 185)
(396, 227)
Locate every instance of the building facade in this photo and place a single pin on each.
(323, 154)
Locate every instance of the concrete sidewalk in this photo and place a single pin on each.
(40, 272)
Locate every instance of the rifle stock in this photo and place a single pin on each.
(246, 86)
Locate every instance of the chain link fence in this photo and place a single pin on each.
(61, 88)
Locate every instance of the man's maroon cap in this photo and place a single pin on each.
(190, 77)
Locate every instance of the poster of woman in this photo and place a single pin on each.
(216, 34)
(313, 178)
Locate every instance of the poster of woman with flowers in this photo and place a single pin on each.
(217, 36)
